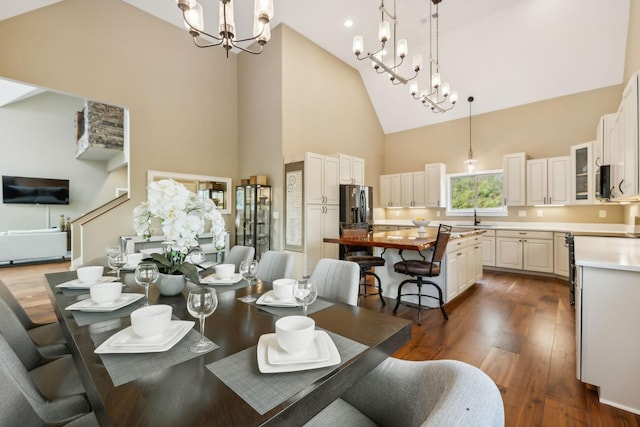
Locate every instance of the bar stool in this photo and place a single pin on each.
(420, 270)
(365, 262)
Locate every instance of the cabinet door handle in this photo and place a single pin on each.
(620, 187)
(596, 162)
(549, 199)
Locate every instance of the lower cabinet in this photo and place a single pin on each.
(560, 255)
(525, 250)
(464, 264)
(489, 248)
(321, 221)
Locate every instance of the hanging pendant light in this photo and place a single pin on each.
(470, 163)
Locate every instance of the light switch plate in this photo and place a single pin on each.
(539, 213)
(522, 213)
(602, 213)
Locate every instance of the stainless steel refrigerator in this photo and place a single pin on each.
(356, 203)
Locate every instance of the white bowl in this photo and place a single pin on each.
(225, 271)
(105, 293)
(295, 333)
(90, 274)
(283, 288)
(421, 222)
(151, 320)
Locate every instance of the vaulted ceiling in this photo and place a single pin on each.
(503, 52)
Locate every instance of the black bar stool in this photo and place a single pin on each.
(419, 270)
(364, 261)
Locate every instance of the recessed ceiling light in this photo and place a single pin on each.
(348, 23)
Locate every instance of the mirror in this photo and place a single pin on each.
(40, 131)
(215, 188)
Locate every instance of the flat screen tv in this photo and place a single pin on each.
(43, 191)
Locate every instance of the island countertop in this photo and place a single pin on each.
(608, 252)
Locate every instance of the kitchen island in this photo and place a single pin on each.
(608, 319)
(461, 266)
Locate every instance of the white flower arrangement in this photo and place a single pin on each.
(182, 215)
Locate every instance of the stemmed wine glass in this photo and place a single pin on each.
(305, 292)
(117, 262)
(201, 303)
(113, 251)
(248, 270)
(146, 274)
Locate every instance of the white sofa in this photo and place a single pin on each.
(21, 245)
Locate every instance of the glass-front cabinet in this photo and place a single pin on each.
(582, 174)
(253, 217)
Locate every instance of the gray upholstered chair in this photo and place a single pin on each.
(337, 280)
(239, 253)
(47, 336)
(438, 393)
(48, 395)
(274, 265)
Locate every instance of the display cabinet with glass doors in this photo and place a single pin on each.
(253, 217)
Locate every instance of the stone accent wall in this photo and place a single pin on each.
(103, 127)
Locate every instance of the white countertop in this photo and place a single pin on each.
(608, 252)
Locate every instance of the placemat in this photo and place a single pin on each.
(123, 368)
(318, 304)
(264, 392)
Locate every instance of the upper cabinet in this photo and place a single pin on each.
(602, 153)
(582, 183)
(351, 169)
(413, 189)
(391, 191)
(435, 185)
(548, 181)
(513, 180)
(322, 185)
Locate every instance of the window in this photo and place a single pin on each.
(481, 192)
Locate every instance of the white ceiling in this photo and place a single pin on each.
(503, 52)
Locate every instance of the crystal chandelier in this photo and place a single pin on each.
(439, 96)
(192, 13)
(400, 49)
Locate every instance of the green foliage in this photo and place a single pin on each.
(483, 191)
(166, 266)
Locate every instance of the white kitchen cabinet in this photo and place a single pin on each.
(321, 221)
(391, 191)
(489, 248)
(560, 255)
(582, 183)
(435, 174)
(351, 169)
(413, 189)
(457, 267)
(601, 150)
(321, 173)
(548, 181)
(514, 179)
(525, 250)
(475, 254)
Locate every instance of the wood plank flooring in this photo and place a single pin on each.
(518, 329)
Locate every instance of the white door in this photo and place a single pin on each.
(407, 189)
(489, 251)
(558, 188)
(537, 182)
(396, 190)
(331, 175)
(509, 252)
(385, 191)
(313, 177)
(357, 170)
(513, 183)
(538, 255)
(419, 190)
(560, 256)
(434, 183)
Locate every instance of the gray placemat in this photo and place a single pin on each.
(83, 318)
(318, 304)
(264, 392)
(123, 368)
(222, 288)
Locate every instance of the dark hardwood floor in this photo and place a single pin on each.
(519, 329)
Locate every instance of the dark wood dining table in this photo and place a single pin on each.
(188, 394)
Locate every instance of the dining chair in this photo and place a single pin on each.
(239, 253)
(337, 280)
(53, 392)
(365, 261)
(421, 271)
(274, 265)
(47, 336)
(432, 393)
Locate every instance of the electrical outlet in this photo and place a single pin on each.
(522, 214)
(397, 213)
(437, 213)
(539, 214)
(602, 213)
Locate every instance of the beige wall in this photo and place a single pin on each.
(182, 100)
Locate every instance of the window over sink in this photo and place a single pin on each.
(480, 192)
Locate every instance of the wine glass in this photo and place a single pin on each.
(201, 303)
(197, 257)
(117, 262)
(112, 251)
(146, 274)
(248, 270)
(305, 292)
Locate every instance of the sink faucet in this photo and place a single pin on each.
(476, 220)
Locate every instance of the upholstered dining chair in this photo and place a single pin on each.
(421, 271)
(274, 265)
(239, 253)
(53, 392)
(433, 393)
(365, 261)
(47, 336)
(337, 280)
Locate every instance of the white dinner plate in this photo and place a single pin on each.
(269, 298)
(265, 367)
(77, 284)
(90, 305)
(318, 351)
(212, 279)
(125, 341)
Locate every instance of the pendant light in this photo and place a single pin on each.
(470, 163)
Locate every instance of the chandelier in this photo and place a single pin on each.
(192, 13)
(439, 96)
(400, 49)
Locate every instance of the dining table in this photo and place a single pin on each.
(224, 386)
